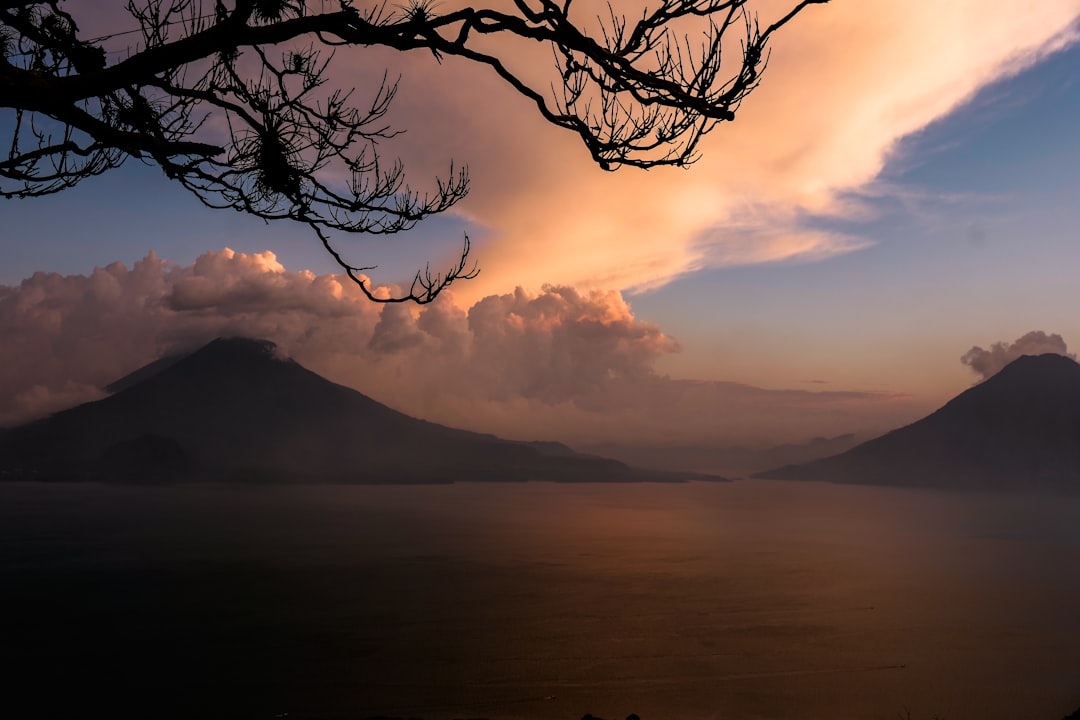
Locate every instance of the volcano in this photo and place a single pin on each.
(237, 411)
(1017, 431)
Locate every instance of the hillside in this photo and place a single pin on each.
(236, 411)
(1017, 431)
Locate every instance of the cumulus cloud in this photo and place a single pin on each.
(65, 336)
(989, 362)
(561, 344)
(561, 364)
(555, 346)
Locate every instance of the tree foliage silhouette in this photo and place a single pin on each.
(232, 99)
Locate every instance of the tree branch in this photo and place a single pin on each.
(285, 146)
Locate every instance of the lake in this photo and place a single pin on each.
(743, 600)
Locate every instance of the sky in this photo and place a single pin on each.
(901, 189)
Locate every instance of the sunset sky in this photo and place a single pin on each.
(902, 187)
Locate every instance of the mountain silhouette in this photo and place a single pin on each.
(1018, 430)
(236, 411)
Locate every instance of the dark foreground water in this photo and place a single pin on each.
(748, 600)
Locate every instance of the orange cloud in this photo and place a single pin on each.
(845, 82)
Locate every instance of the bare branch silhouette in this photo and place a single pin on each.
(230, 99)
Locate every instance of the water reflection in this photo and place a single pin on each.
(745, 600)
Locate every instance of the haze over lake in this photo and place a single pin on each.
(754, 599)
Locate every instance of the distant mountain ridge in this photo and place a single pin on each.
(1018, 430)
(236, 411)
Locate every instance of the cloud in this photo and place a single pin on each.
(845, 83)
(565, 364)
(64, 336)
(989, 362)
(555, 346)
(562, 344)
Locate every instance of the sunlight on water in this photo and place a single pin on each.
(744, 600)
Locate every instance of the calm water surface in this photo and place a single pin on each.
(741, 601)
